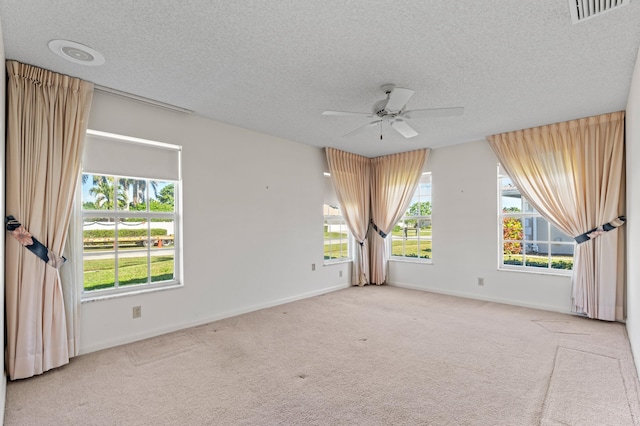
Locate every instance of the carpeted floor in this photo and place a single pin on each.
(359, 356)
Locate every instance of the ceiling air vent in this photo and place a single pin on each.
(582, 10)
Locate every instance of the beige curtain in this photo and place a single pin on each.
(350, 176)
(71, 276)
(394, 179)
(46, 122)
(573, 174)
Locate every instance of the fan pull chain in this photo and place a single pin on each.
(380, 130)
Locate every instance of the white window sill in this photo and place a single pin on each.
(96, 296)
(537, 271)
(411, 260)
(337, 262)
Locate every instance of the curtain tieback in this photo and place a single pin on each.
(375, 228)
(18, 231)
(596, 232)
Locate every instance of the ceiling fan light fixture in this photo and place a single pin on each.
(76, 52)
(392, 110)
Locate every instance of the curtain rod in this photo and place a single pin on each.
(142, 99)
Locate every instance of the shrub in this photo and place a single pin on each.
(539, 263)
(512, 230)
(110, 233)
(562, 264)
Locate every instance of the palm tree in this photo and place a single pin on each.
(138, 190)
(103, 189)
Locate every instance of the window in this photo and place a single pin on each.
(529, 241)
(130, 227)
(411, 237)
(336, 235)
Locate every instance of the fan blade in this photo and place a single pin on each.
(403, 128)
(348, 114)
(398, 98)
(360, 129)
(434, 112)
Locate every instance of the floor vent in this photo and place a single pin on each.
(582, 10)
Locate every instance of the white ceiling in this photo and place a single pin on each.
(275, 66)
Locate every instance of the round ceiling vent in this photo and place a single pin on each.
(76, 52)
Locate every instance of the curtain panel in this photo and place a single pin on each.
(350, 175)
(573, 174)
(394, 179)
(374, 193)
(47, 117)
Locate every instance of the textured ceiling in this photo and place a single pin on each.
(275, 66)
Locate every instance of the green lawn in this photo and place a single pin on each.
(401, 247)
(424, 232)
(335, 235)
(336, 251)
(100, 273)
(411, 248)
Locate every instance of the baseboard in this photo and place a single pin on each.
(205, 320)
(483, 298)
(3, 395)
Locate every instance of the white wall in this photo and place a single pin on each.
(3, 77)
(465, 237)
(232, 175)
(271, 188)
(632, 141)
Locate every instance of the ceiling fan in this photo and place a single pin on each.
(392, 110)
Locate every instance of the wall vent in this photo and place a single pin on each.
(582, 10)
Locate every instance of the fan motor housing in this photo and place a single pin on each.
(379, 109)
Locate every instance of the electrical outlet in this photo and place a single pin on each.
(340, 274)
(313, 266)
(480, 281)
(137, 311)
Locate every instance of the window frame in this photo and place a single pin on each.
(342, 240)
(523, 215)
(418, 218)
(147, 215)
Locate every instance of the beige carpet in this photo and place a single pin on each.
(359, 356)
